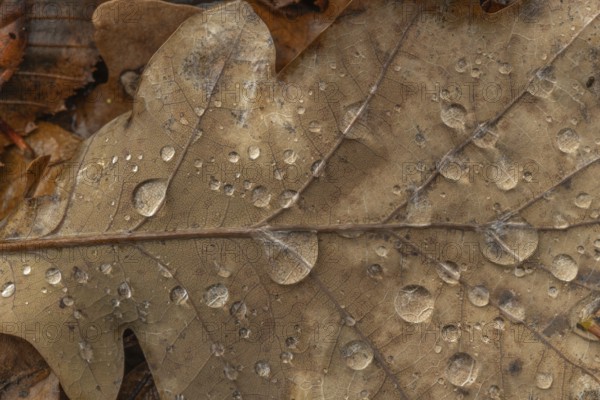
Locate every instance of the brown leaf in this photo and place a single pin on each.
(387, 230)
(13, 38)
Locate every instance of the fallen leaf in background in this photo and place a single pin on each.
(59, 58)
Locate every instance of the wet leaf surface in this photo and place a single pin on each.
(408, 210)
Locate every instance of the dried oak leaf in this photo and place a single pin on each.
(59, 58)
(417, 219)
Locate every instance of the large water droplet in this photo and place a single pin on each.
(291, 256)
(289, 156)
(26, 270)
(216, 295)
(287, 198)
(563, 267)
(253, 152)
(479, 296)
(509, 243)
(233, 157)
(262, 369)
(260, 197)
(178, 295)
(567, 140)
(449, 272)
(148, 196)
(583, 200)
(53, 276)
(454, 116)
(357, 354)
(504, 68)
(462, 369)
(8, 289)
(543, 380)
(167, 153)
(414, 303)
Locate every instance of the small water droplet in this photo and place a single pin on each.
(233, 157)
(53, 276)
(314, 126)
(292, 342)
(262, 369)
(26, 270)
(115, 159)
(375, 271)
(286, 357)
(451, 333)
(238, 310)
(124, 290)
(260, 197)
(167, 153)
(317, 168)
(543, 380)
(414, 303)
(128, 157)
(454, 116)
(216, 295)
(80, 276)
(230, 372)
(199, 111)
(301, 110)
(149, 196)
(357, 354)
(462, 370)
(85, 351)
(288, 198)
(583, 200)
(217, 349)
(253, 152)
(564, 267)
(67, 301)
(505, 68)
(178, 295)
(228, 189)
(218, 103)
(567, 140)
(449, 272)
(105, 268)
(479, 296)
(461, 65)
(289, 156)
(8, 289)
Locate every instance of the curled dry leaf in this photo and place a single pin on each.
(441, 237)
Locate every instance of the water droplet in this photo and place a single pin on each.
(419, 211)
(583, 200)
(461, 65)
(509, 303)
(80, 276)
(292, 342)
(148, 196)
(543, 380)
(301, 110)
(105, 268)
(510, 243)
(375, 271)
(357, 354)
(26, 270)
(414, 303)
(451, 333)
(167, 153)
(314, 126)
(462, 369)
(289, 156)
(262, 369)
(244, 333)
(233, 157)
(67, 301)
(260, 197)
(218, 103)
(286, 357)
(317, 168)
(124, 290)
(553, 292)
(230, 372)
(567, 140)
(288, 198)
(506, 176)
(563, 267)
(8, 289)
(228, 189)
(479, 296)
(178, 295)
(454, 116)
(216, 295)
(485, 137)
(253, 152)
(128, 157)
(217, 349)
(238, 310)
(505, 68)
(449, 272)
(85, 351)
(214, 184)
(53, 276)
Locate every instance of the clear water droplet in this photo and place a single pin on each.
(214, 184)
(583, 200)
(462, 369)
(510, 243)
(357, 354)
(461, 65)
(375, 271)
(449, 272)
(317, 168)
(217, 349)
(149, 196)
(505, 68)
(216, 295)
(228, 189)
(301, 110)
(288, 198)
(509, 303)
(178, 295)
(233, 157)
(479, 296)
(67, 301)
(314, 126)
(53, 276)
(105, 268)
(289, 156)
(567, 140)
(564, 267)
(286, 357)
(451, 333)
(80, 276)
(262, 369)
(543, 380)
(8, 289)
(260, 197)
(85, 351)
(238, 310)
(454, 116)
(26, 270)
(253, 152)
(414, 303)
(124, 290)
(167, 153)
(199, 111)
